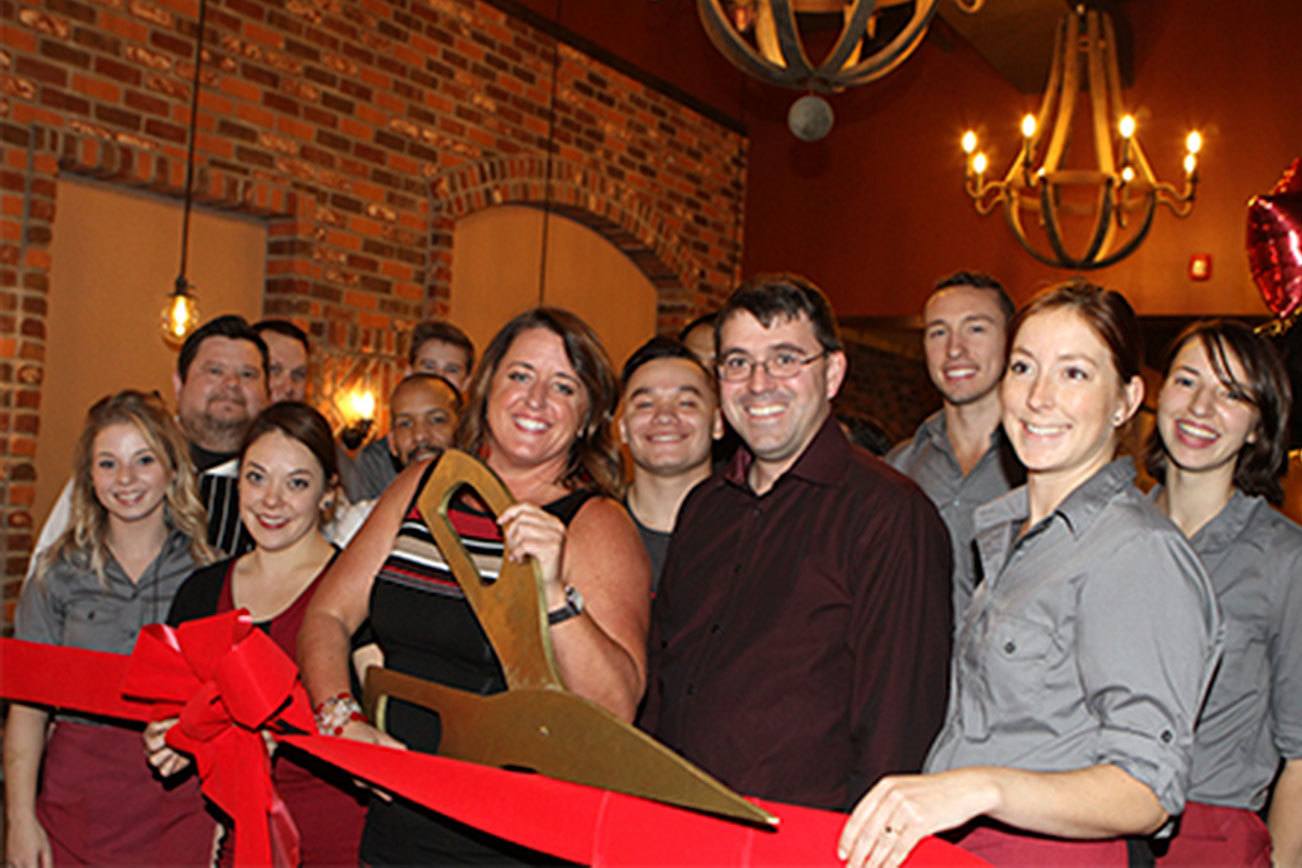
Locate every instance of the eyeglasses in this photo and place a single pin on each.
(782, 365)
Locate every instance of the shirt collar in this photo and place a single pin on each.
(1082, 506)
(822, 462)
(1226, 525)
(1078, 509)
(936, 429)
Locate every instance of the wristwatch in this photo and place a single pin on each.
(573, 607)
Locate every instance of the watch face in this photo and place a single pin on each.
(573, 599)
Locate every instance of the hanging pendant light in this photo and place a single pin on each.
(180, 314)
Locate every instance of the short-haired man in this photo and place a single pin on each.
(669, 417)
(959, 455)
(424, 409)
(221, 385)
(287, 350)
(437, 347)
(801, 633)
(698, 336)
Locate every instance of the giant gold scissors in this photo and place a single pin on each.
(536, 723)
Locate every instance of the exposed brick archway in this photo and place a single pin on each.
(629, 222)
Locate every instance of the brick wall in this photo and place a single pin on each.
(360, 131)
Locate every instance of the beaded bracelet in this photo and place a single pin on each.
(336, 712)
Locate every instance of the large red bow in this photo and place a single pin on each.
(226, 681)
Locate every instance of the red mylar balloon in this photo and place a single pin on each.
(1275, 242)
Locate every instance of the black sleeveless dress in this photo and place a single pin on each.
(426, 628)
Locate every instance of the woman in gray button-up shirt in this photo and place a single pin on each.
(1080, 665)
(1218, 448)
(136, 531)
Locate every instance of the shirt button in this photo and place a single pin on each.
(1167, 736)
(1010, 646)
(691, 690)
(714, 628)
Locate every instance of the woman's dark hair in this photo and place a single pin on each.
(594, 458)
(300, 422)
(1261, 463)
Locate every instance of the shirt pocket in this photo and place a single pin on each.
(1017, 658)
(92, 623)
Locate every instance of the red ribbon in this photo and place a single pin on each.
(226, 680)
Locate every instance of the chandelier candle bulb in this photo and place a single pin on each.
(969, 142)
(1193, 142)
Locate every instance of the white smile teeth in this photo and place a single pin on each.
(531, 424)
(1044, 430)
(767, 410)
(1197, 433)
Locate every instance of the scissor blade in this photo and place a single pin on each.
(563, 736)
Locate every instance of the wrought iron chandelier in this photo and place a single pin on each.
(763, 39)
(1116, 199)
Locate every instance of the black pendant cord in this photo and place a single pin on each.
(189, 156)
(551, 145)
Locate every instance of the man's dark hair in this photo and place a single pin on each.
(659, 348)
(979, 280)
(440, 330)
(705, 319)
(286, 328)
(231, 326)
(420, 376)
(770, 296)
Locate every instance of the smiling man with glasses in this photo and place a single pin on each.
(802, 627)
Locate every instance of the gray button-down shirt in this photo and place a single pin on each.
(69, 606)
(928, 459)
(1253, 714)
(1091, 641)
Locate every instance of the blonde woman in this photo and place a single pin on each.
(137, 529)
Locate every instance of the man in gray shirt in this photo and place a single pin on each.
(959, 455)
(438, 348)
(669, 418)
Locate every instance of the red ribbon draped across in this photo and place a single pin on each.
(227, 681)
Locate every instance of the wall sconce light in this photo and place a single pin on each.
(357, 406)
(1124, 191)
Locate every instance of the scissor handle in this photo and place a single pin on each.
(512, 610)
